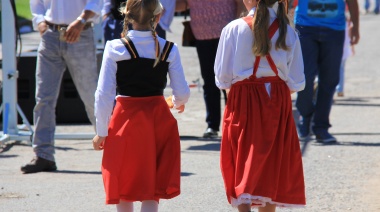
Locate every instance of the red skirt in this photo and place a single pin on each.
(260, 150)
(141, 158)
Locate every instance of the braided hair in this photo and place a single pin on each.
(144, 13)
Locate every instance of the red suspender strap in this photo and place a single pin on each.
(272, 30)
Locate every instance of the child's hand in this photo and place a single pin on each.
(180, 108)
(169, 101)
(98, 142)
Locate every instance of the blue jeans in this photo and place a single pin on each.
(377, 5)
(322, 50)
(53, 58)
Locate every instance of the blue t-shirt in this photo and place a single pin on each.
(321, 13)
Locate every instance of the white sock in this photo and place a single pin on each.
(149, 206)
(124, 206)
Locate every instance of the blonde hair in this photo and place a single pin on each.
(142, 12)
(262, 44)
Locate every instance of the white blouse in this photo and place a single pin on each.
(234, 58)
(115, 51)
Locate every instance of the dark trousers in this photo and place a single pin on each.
(112, 28)
(322, 50)
(206, 50)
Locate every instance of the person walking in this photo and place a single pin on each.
(322, 35)
(367, 5)
(139, 135)
(207, 21)
(67, 40)
(112, 19)
(260, 156)
(348, 50)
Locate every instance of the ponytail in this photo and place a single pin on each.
(156, 43)
(262, 44)
(283, 22)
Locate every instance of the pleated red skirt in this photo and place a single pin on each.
(260, 150)
(141, 158)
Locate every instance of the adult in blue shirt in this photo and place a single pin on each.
(321, 24)
(113, 19)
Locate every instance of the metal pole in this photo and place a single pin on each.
(9, 107)
(10, 74)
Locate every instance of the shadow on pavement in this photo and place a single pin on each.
(77, 172)
(353, 143)
(8, 146)
(206, 147)
(196, 138)
(183, 174)
(356, 133)
(186, 174)
(8, 156)
(65, 148)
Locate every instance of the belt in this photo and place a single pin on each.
(57, 27)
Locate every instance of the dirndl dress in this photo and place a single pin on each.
(141, 156)
(261, 160)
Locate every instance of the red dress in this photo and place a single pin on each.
(141, 158)
(261, 159)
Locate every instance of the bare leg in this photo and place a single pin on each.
(244, 208)
(124, 206)
(149, 206)
(268, 208)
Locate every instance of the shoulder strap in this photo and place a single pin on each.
(272, 30)
(166, 51)
(130, 47)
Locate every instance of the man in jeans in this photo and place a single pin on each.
(321, 25)
(67, 40)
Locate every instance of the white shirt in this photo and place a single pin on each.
(234, 58)
(63, 11)
(107, 6)
(115, 51)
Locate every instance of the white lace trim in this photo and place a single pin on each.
(259, 201)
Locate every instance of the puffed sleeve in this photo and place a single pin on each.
(224, 60)
(181, 91)
(106, 91)
(296, 77)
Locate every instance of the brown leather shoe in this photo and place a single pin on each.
(39, 165)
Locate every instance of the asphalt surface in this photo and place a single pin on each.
(340, 177)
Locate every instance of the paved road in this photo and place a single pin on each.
(341, 177)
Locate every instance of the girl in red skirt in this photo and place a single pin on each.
(139, 135)
(259, 59)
